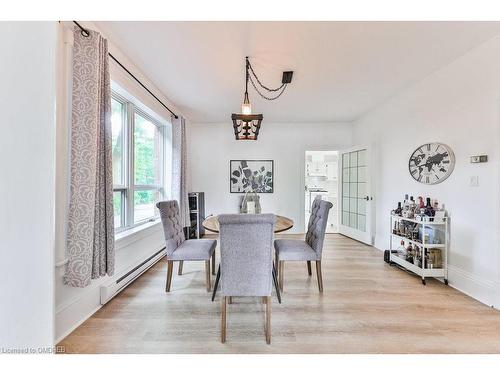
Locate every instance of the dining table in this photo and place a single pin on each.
(282, 224)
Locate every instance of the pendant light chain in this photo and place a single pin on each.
(260, 83)
(283, 87)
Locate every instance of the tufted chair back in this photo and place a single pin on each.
(317, 224)
(246, 247)
(172, 227)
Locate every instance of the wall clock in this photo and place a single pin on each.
(431, 163)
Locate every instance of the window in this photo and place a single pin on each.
(138, 163)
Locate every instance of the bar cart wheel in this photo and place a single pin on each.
(445, 281)
(423, 281)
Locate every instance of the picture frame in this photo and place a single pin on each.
(251, 176)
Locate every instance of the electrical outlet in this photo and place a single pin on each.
(474, 181)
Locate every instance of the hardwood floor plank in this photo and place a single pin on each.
(367, 306)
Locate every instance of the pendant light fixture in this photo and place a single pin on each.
(246, 125)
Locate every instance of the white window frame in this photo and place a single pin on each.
(128, 188)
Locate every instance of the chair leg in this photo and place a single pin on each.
(170, 266)
(319, 275)
(181, 263)
(229, 300)
(207, 273)
(223, 320)
(277, 265)
(280, 272)
(309, 272)
(216, 285)
(268, 319)
(276, 286)
(213, 263)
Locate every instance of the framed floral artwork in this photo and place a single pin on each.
(251, 175)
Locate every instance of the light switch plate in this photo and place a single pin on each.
(474, 181)
(479, 159)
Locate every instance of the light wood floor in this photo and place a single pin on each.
(367, 307)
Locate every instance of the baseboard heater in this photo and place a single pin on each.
(112, 289)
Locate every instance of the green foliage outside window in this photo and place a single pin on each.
(145, 138)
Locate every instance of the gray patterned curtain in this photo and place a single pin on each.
(179, 168)
(90, 238)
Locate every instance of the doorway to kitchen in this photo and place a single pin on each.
(321, 178)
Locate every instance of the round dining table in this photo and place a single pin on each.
(282, 224)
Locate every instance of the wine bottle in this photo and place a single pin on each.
(398, 210)
(429, 211)
(421, 202)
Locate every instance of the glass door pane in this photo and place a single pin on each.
(354, 189)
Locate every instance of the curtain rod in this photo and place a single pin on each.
(85, 33)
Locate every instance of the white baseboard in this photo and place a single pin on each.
(474, 286)
(88, 303)
(77, 324)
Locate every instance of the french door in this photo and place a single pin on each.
(355, 195)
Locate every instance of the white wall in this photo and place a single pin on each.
(212, 146)
(458, 105)
(27, 157)
(75, 305)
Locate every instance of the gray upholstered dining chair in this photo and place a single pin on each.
(308, 250)
(246, 244)
(178, 248)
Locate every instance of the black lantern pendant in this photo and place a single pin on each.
(246, 126)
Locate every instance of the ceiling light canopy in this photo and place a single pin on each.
(246, 126)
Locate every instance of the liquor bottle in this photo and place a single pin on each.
(414, 234)
(413, 208)
(421, 202)
(395, 230)
(435, 205)
(398, 210)
(429, 211)
(409, 254)
(406, 203)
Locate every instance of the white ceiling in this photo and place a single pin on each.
(341, 69)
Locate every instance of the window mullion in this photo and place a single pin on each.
(162, 163)
(123, 191)
(130, 165)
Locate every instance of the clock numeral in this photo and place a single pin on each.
(428, 147)
(427, 180)
(414, 171)
(437, 177)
